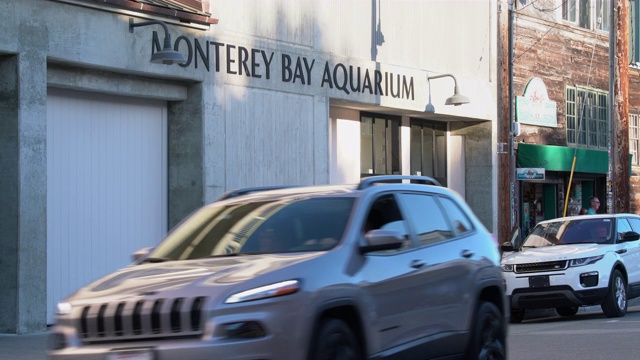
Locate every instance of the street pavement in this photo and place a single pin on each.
(34, 346)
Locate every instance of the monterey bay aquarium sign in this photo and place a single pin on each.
(534, 107)
(293, 69)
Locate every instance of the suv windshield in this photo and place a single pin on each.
(281, 226)
(570, 232)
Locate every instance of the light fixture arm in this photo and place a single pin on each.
(167, 55)
(167, 36)
(455, 82)
(457, 99)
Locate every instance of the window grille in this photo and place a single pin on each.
(587, 118)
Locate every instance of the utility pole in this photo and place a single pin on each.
(504, 210)
(620, 121)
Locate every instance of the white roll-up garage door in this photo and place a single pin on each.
(106, 185)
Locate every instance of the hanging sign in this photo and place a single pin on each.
(534, 107)
(530, 173)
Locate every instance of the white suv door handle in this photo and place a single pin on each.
(417, 264)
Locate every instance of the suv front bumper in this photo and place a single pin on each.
(178, 349)
(555, 296)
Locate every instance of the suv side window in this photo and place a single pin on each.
(385, 214)
(425, 214)
(623, 227)
(635, 224)
(461, 223)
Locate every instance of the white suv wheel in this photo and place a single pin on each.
(615, 304)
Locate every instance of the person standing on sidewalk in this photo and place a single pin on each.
(594, 204)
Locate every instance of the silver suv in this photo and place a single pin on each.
(395, 266)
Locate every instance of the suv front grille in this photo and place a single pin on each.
(540, 267)
(142, 319)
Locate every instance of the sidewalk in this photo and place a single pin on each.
(27, 346)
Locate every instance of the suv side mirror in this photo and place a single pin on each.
(516, 239)
(136, 256)
(630, 236)
(382, 239)
(507, 247)
(515, 242)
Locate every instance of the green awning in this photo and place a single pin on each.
(560, 158)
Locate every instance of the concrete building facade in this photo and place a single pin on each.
(103, 152)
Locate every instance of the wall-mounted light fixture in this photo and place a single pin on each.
(167, 55)
(456, 99)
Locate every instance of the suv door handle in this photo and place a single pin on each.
(621, 251)
(417, 264)
(467, 253)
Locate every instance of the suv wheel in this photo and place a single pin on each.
(489, 334)
(615, 305)
(567, 310)
(335, 340)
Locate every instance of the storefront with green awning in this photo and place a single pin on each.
(544, 197)
(560, 158)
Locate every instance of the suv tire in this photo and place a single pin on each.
(335, 340)
(489, 334)
(615, 305)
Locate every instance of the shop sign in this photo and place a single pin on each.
(265, 64)
(534, 107)
(530, 173)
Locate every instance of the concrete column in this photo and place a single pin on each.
(185, 155)
(32, 158)
(24, 176)
(9, 192)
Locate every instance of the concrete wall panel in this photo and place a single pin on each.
(256, 150)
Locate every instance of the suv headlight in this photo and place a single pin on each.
(506, 267)
(64, 308)
(264, 292)
(584, 261)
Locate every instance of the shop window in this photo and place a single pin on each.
(586, 116)
(588, 14)
(633, 138)
(428, 154)
(379, 144)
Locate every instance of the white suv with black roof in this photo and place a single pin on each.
(387, 268)
(575, 261)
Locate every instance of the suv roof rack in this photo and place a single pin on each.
(250, 190)
(369, 181)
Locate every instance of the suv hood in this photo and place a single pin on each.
(554, 253)
(192, 277)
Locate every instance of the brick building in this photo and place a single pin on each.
(561, 86)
